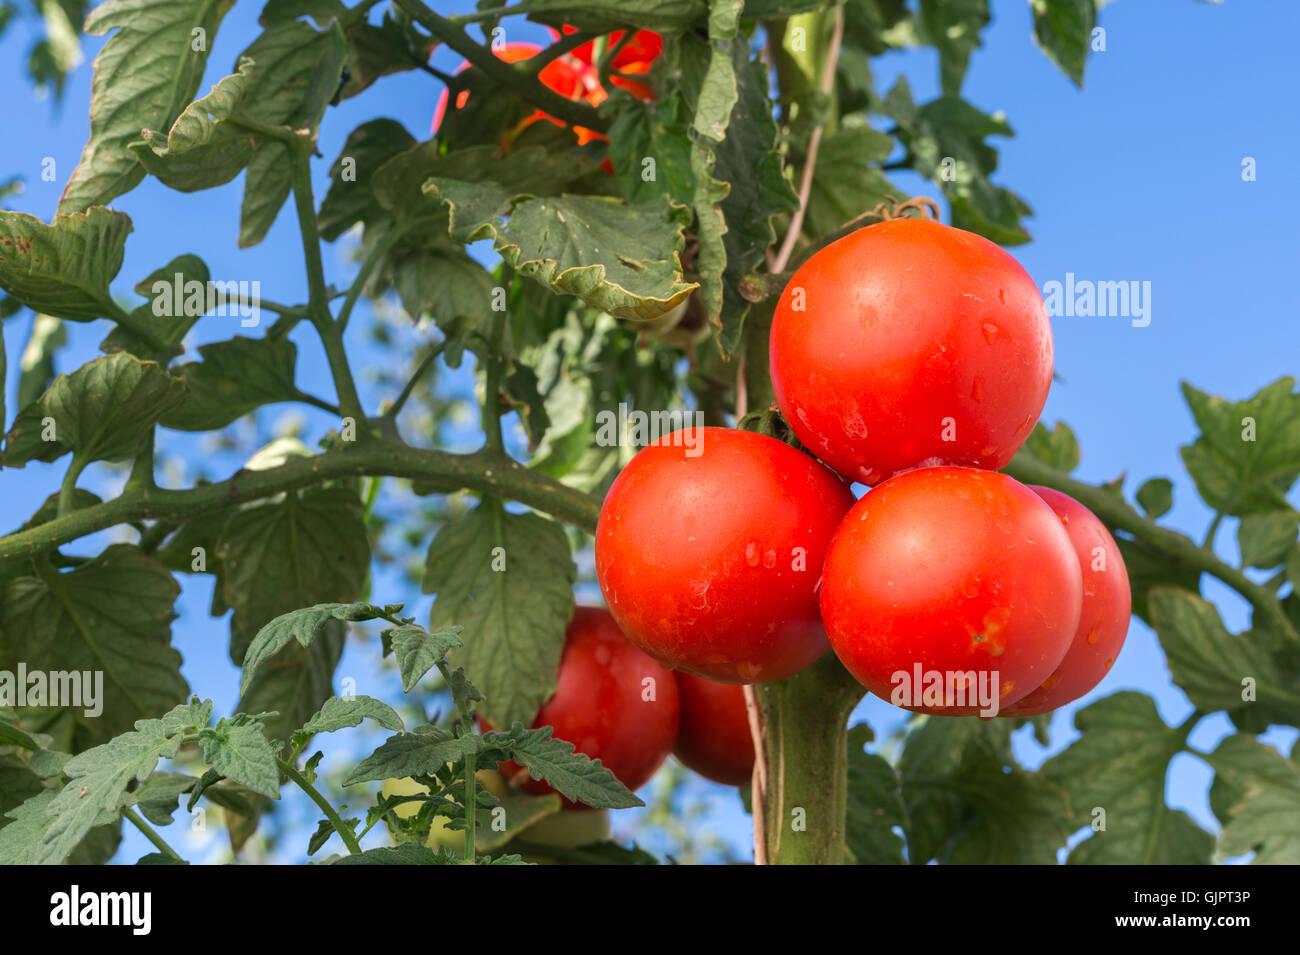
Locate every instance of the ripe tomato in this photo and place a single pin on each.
(708, 551)
(714, 737)
(908, 343)
(956, 575)
(1104, 619)
(605, 705)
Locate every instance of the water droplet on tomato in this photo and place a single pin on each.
(991, 332)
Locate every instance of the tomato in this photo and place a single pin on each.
(714, 738)
(708, 550)
(909, 343)
(954, 575)
(1104, 619)
(606, 705)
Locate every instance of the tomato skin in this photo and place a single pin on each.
(714, 738)
(957, 570)
(709, 556)
(598, 705)
(1104, 619)
(917, 344)
(636, 57)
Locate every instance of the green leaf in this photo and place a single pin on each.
(1156, 497)
(1057, 448)
(285, 78)
(376, 50)
(574, 775)
(507, 579)
(1217, 669)
(64, 269)
(159, 796)
(309, 547)
(1063, 29)
(303, 625)
(1266, 539)
(160, 317)
(875, 804)
(104, 411)
(99, 777)
(953, 27)
(296, 682)
(418, 650)
(144, 75)
(339, 713)
(963, 804)
(1256, 795)
(321, 11)
(234, 378)
(408, 854)
(945, 143)
(846, 183)
(424, 752)
(1119, 767)
(1148, 569)
(621, 258)
(658, 131)
(1248, 453)
(240, 751)
(350, 198)
(110, 616)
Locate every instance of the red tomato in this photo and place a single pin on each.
(1104, 619)
(910, 343)
(714, 737)
(941, 579)
(708, 551)
(600, 704)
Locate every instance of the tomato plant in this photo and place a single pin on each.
(708, 552)
(958, 572)
(631, 319)
(714, 736)
(907, 343)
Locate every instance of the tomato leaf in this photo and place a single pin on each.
(1266, 539)
(240, 751)
(110, 616)
(1063, 29)
(419, 651)
(572, 774)
(159, 317)
(423, 752)
(144, 75)
(1256, 795)
(64, 269)
(339, 713)
(1156, 497)
(953, 28)
(1115, 776)
(875, 804)
(303, 625)
(507, 579)
(234, 378)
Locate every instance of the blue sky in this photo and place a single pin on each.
(1136, 177)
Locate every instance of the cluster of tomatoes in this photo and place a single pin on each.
(913, 358)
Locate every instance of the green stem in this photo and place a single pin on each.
(368, 266)
(492, 388)
(151, 834)
(1213, 530)
(68, 489)
(500, 72)
(1117, 513)
(801, 799)
(320, 403)
(425, 364)
(345, 833)
(483, 472)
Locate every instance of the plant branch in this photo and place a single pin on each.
(492, 388)
(1118, 513)
(345, 833)
(778, 262)
(425, 364)
(368, 266)
(482, 472)
(502, 73)
(151, 833)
